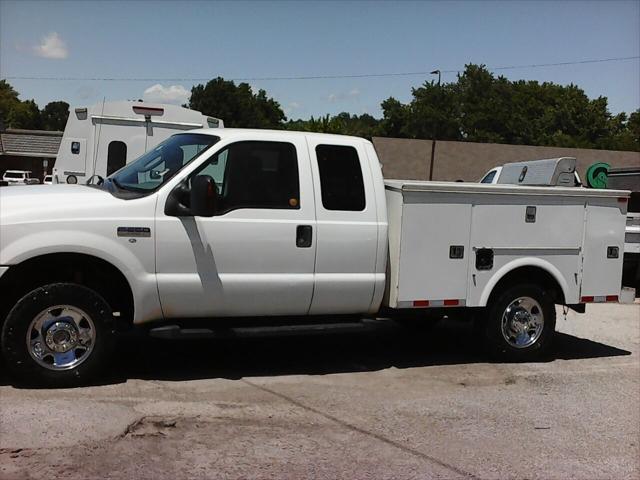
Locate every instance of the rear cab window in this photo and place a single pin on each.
(341, 182)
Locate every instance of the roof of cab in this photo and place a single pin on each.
(248, 132)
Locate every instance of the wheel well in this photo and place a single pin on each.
(92, 272)
(535, 275)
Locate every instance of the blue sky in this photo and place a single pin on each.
(165, 39)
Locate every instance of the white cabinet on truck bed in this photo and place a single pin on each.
(450, 244)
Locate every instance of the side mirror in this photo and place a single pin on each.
(204, 195)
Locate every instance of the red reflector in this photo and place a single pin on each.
(587, 299)
(612, 298)
(449, 303)
(421, 303)
(623, 199)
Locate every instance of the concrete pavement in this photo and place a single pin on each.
(389, 404)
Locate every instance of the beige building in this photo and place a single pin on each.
(410, 159)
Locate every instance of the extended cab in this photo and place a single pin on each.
(229, 223)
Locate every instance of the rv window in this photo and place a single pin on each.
(116, 156)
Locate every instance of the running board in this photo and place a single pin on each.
(174, 332)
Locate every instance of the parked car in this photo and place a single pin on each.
(48, 180)
(102, 138)
(229, 232)
(546, 172)
(19, 177)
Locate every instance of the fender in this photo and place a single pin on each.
(141, 279)
(524, 262)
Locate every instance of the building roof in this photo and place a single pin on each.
(30, 143)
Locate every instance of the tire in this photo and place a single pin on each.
(526, 330)
(59, 335)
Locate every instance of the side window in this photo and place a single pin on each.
(341, 183)
(489, 177)
(255, 175)
(215, 168)
(116, 156)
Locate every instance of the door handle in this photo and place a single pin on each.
(304, 236)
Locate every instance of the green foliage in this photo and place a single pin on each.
(237, 105)
(54, 115)
(26, 114)
(480, 107)
(344, 123)
(477, 107)
(8, 99)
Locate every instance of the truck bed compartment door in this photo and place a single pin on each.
(434, 252)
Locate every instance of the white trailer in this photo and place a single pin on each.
(102, 138)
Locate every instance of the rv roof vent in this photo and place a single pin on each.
(148, 111)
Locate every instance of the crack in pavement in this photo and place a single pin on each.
(363, 431)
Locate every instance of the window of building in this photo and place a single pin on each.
(341, 181)
(116, 156)
(255, 175)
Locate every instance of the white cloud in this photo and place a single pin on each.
(52, 46)
(334, 97)
(175, 94)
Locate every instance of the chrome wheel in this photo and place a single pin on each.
(522, 322)
(61, 337)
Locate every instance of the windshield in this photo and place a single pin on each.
(157, 166)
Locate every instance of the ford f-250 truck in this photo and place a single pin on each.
(216, 225)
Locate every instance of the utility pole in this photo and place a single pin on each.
(433, 136)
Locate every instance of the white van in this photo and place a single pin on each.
(547, 172)
(101, 139)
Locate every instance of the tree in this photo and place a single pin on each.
(8, 100)
(54, 115)
(344, 123)
(25, 115)
(480, 107)
(237, 105)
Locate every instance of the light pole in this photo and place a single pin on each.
(433, 139)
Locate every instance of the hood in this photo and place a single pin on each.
(24, 203)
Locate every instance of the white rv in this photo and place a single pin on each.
(101, 139)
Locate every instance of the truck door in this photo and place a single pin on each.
(347, 228)
(255, 257)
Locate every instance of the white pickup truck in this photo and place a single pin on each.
(282, 226)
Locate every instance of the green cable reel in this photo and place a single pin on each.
(597, 175)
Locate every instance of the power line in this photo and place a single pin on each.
(311, 77)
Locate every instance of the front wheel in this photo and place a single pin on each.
(520, 323)
(58, 335)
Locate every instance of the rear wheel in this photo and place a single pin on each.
(520, 323)
(58, 335)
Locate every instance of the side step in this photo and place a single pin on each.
(174, 332)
